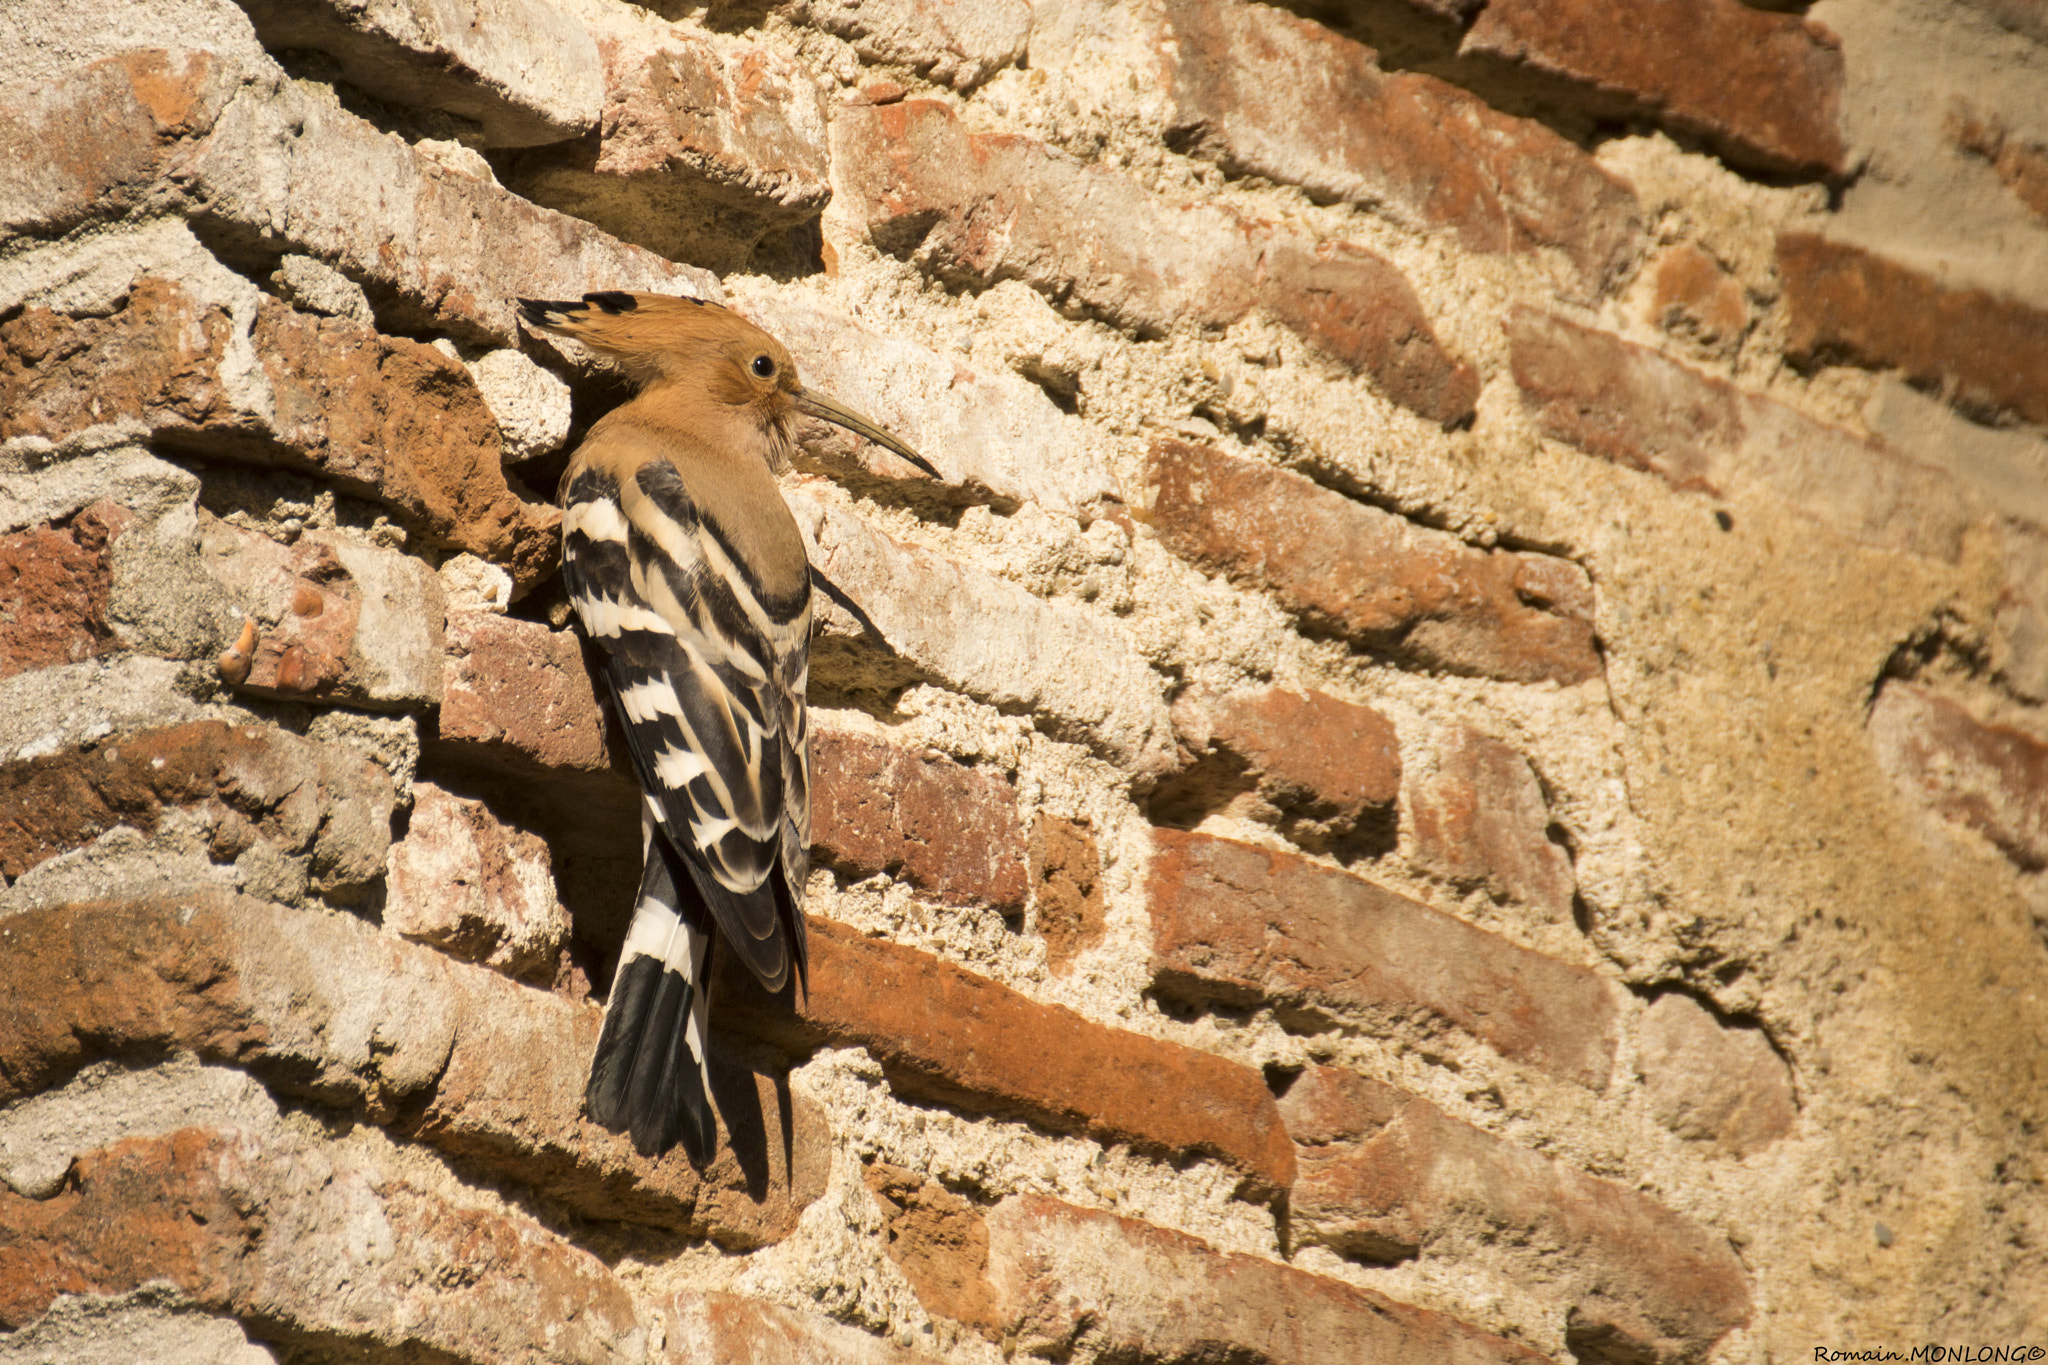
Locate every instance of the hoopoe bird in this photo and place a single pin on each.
(685, 566)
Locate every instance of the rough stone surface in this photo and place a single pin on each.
(477, 889)
(734, 1329)
(943, 1033)
(1989, 778)
(521, 70)
(455, 1056)
(938, 1240)
(252, 790)
(1479, 818)
(1386, 1176)
(1431, 600)
(1693, 296)
(1066, 1278)
(1846, 305)
(1046, 657)
(1629, 404)
(1713, 1084)
(960, 43)
(706, 147)
(920, 817)
(1245, 926)
(1422, 150)
(1771, 100)
(1089, 237)
(1067, 888)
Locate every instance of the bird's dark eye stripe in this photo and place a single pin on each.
(764, 367)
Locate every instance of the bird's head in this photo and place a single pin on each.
(700, 351)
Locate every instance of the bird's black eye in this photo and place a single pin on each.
(764, 367)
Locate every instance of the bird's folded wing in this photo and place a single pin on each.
(702, 674)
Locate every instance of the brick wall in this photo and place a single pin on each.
(1455, 771)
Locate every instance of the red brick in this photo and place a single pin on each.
(707, 146)
(518, 700)
(950, 830)
(1479, 818)
(1066, 880)
(381, 417)
(938, 1240)
(521, 70)
(1386, 1175)
(1763, 89)
(477, 889)
(1845, 305)
(1424, 151)
(56, 580)
(1247, 926)
(960, 43)
(945, 1034)
(1327, 772)
(455, 1056)
(1990, 778)
(326, 1244)
(1360, 572)
(978, 208)
(1067, 1279)
(1693, 296)
(324, 802)
(2021, 164)
(1631, 405)
(1708, 1083)
(713, 1328)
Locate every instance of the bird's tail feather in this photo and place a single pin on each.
(648, 1077)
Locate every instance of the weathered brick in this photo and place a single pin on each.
(1479, 818)
(714, 1328)
(995, 436)
(381, 417)
(322, 1243)
(1066, 881)
(264, 167)
(1991, 778)
(455, 1056)
(521, 70)
(1763, 89)
(1631, 405)
(1361, 572)
(708, 145)
(979, 208)
(1845, 305)
(1326, 771)
(960, 43)
(1387, 1175)
(1248, 926)
(324, 805)
(475, 888)
(93, 143)
(918, 816)
(2022, 164)
(337, 620)
(942, 1033)
(55, 583)
(1426, 152)
(1082, 680)
(1693, 296)
(518, 700)
(938, 1240)
(1713, 1084)
(1067, 1279)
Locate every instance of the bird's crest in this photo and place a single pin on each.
(654, 338)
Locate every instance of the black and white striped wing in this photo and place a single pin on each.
(709, 681)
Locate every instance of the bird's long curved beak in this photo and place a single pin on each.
(816, 404)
